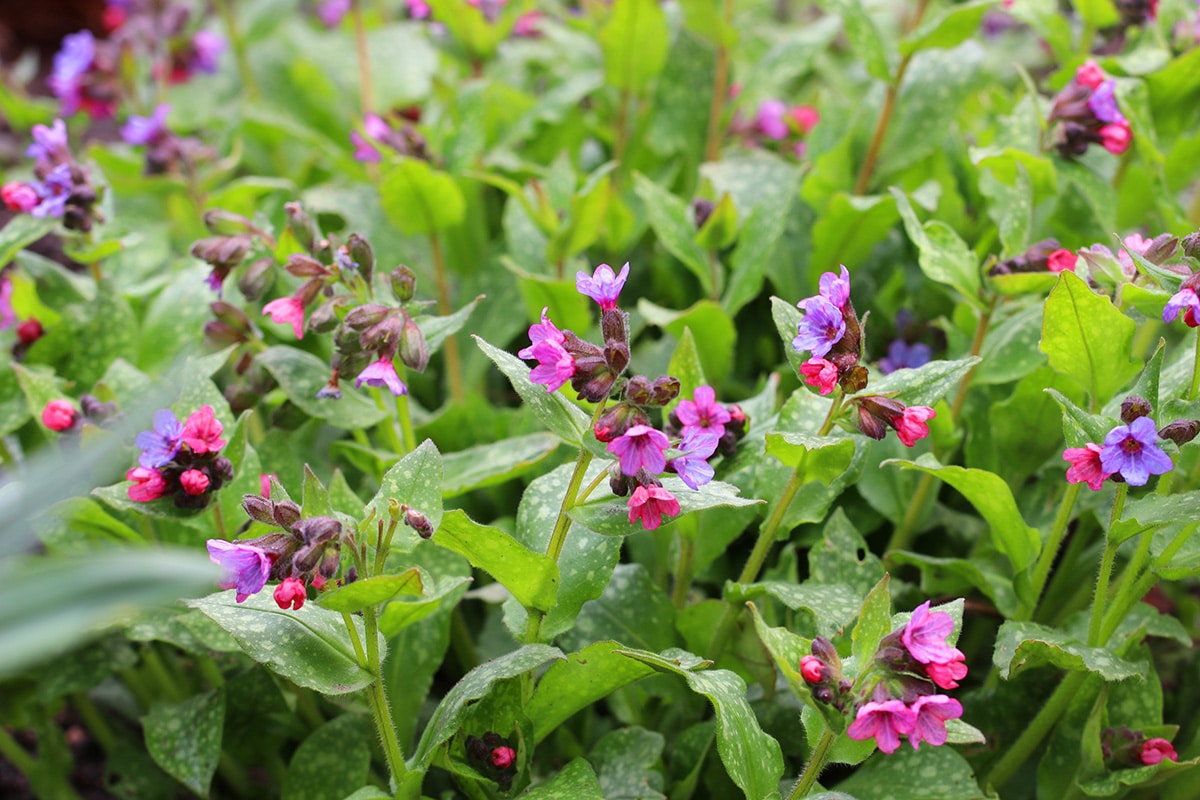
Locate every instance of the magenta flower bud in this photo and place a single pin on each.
(1155, 751)
(287, 311)
(202, 431)
(649, 504)
(148, 484)
(58, 415)
(417, 521)
(20, 197)
(194, 482)
(413, 349)
(811, 669)
(291, 592)
(503, 757)
(286, 514)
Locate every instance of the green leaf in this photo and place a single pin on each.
(686, 368)
(926, 384)
(824, 458)
(874, 621)
(415, 481)
(399, 614)
(370, 592)
(951, 575)
(1097, 13)
(575, 781)
(1160, 509)
(943, 256)
(85, 668)
(786, 649)
(185, 739)
(420, 200)
(671, 219)
(583, 679)
(564, 419)
(752, 758)
(930, 773)
(625, 762)
(721, 228)
(711, 325)
(531, 577)
(993, 499)
(830, 607)
(438, 329)
(21, 231)
(491, 464)
(632, 610)
(863, 35)
(1022, 645)
(835, 557)
(1011, 208)
(634, 43)
(474, 685)
(310, 647)
(333, 757)
(1080, 427)
(949, 28)
(48, 607)
(301, 375)
(1087, 338)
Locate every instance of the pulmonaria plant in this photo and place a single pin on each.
(1085, 112)
(62, 187)
(180, 460)
(1130, 452)
(643, 451)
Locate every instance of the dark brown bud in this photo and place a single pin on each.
(1181, 431)
(871, 425)
(617, 419)
(384, 336)
(1133, 408)
(664, 389)
(1191, 245)
(413, 350)
(259, 508)
(854, 379)
(303, 266)
(286, 514)
(317, 530)
(256, 278)
(701, 210)
(616, 356)
(221, 334)
(403, 282)
(637, 390)
(329, 561)
(1161, 248)
(614, 325)
(325, 317)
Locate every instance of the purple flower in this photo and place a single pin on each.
(382, 373)
(771, 120)
(697, 446)
(1183, 300)
(160, 445)
(703, 412)
(604, 286)
(1103, 103)
(53, 192)
(902, 355)
(555, 365)
(836, 289)
(8, 317)
(925, 635)
(71, 63)
(206, 50)
(885, 721)
(331, 12)
(246, 567)
(375, 127)
(1132, 450)
(49, 145)
(930, 713)
(146, 130)
(822, 327)
(641, 447)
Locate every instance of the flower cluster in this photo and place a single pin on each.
(165, 31)
(1086, 112)
(1043, 256)
(1130, 452)
(165, 150)
(307, 552)
(897, 694)
(1123, 748)
(704, 426)
(493, 756)
(404, 140)
(777, 124)
(62, 188)
(905, 351)
(830, 327)
(1187, 299)
(180, 460)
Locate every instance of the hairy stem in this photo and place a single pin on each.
(1195, 386)
(812, 770)
(1100, 598)
(1050, 549)
(683, 572)
(377, 697)
(1032, 736)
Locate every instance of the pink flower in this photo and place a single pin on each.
(194, 482)
(527, 25)
(287, 311)
(806, 117)
(947, 674)
(246, 567)
(555, 365)
(1115, 137)
(835, 288)
(418, 9)
(820, 373)
(148, 484)
(1089, 74)
(930, 713)
(604, 286)
(1086, 466)
(19, 197)
(1155, 750)
(376, 127)
(382, 373)
(503, 757)
(202, 431)
(291, 592)
(811, 669)
(58, 415)
(650, 504)
(911, 427)
(770, 120)
(703, 411)
(264, 483)
(885, 721)
(1061, 260)
(641, 447)
(925, 636)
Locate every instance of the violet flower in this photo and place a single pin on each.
(161, 444)
(930, 713)
(139, 131)
(1103, 103)
(1132, 450)
(246, 567)
(71, 63)
(53, 192)
(49, 146)
(1184, 300)
(822, 327)
(835, 288)
(902, 355)
(603, 285)
(382, 373)
(697, 447)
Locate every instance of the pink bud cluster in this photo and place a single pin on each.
(181, 461)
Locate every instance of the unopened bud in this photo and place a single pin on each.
(414, 350)
(366, 315)
(259, 508)
(1133, 408)
(362, 255)
(395, 509)
(303, 266)
(1181, 431)
(1191, 245)
(256, 278)
(614, 326)
(330, 560)
(29, 331)
(664, 389)
(325, 317)
(384, 336)
(854, 379)
(701, 210)
(222, 470)
(418, 522)
(1161, 248)
(302, 226)
(225, 223)
(403, 282)
(637, 390)
(286, 514)
(317, 530)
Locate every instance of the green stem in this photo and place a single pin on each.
(307, 706)
(453, 362)
(460, 641)
(249, 84)
(1128, 598)
(1100, 598)
(406, 427)
(1050, 549)
(389, 429)
(219, 520)
(812, 770)
(716, 110)
(683, 572)
(234, 774)
(1039, 726)
(43, 784)
(16, 755)
(1195, 387)
(365, 87)
(93, 721)
(154, 665)
(355, 641)
(378, 700)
